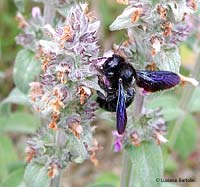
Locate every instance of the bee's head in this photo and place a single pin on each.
(113, 64)
(127, 73)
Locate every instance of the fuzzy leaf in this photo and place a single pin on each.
(179, 9)
(22, 184)
(63, 11)
(101, 185)
(2, 75)
(147, 164)
(7, 155)
(124, 21)
(107, 179)
(14, 178)
(194, 104)
(26, 69)
(36, 176)
(167, 184)
(187, 137)
(5, 109)
(50, 45)
(77, 148)
(19, 122)
(168, 59)
(170, 165)
(20, 4)
(169, 105)
(17, 97)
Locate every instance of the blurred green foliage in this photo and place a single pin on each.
(8, 47)
(106, 179)
(9, 30)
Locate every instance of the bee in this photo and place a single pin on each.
(119, 79)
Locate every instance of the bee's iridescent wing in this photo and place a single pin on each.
(121, 115)
(153, 81)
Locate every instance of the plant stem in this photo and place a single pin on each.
(126, 169)
(55, 182)
(184, 101)
(49, 11)
(139, 99)
(49, 14)
(126, 177)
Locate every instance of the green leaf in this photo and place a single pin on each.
(14, 178)
(124, 21)
(187, 137)
(78, 148)
(169, 105)
(101, 185)
(20, 5)
(36, 176)
(179, 9)
(2, 75)
(26, 69)
(64, 10)
(147, 165)
(167, 184)
(19, 122)
(5, 109)
(194, 104)
(170, 165)
(107, 179)
(7, 155)
(22, 184)
(17, 97)
(168, 59)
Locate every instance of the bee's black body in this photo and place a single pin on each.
(116, 68)
(118, 79)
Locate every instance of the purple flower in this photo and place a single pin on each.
(36, 12)
(118, 141)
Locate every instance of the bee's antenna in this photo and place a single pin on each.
(119, 46)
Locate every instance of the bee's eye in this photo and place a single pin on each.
(109, 74)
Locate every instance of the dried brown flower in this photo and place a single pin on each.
(167, 29)
(53, 170)
(124, 2)
(151, 67)
(136, 15)
(76, 128)
(53, 123)
(57, 104)
(162, 11)
(193, 4)
(92, 151)
(67, 35)
(156, 45)
(35, 90)
(30, 154)
(84, 93)
(160, 138)
(135, 138)
(22, 23)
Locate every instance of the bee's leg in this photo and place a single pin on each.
(111, 97)
(130, 93)
(107, 105)
(102, 96)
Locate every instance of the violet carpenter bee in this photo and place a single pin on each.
(118, 79)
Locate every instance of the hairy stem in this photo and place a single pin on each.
(55, 182)
(126, 170)
(49, 11)
(49, 14)
(184, 101)
(126, 176)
